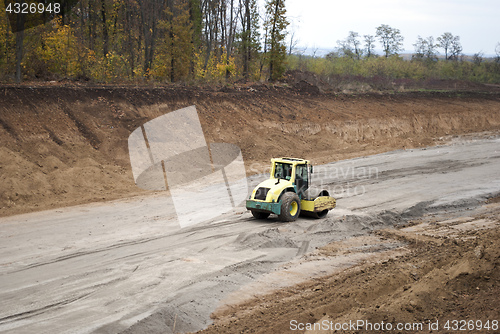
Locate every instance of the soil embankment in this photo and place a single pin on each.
(68, 145)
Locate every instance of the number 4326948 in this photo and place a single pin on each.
(33, 8)
(471, 325)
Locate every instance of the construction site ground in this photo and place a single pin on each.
(414, 239)
(437, 274)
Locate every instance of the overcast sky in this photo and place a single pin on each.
(321, 23)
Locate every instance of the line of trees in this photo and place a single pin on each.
(355, 56)
(205, 41)
(391, 41)
(164, 40)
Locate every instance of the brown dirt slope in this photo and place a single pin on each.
(68, 145)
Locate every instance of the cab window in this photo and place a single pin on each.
(283, 171)
(302, 172)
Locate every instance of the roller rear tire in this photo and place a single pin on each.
(321, 214)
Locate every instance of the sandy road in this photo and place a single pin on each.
(104, 267)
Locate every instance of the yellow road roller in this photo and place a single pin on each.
(287, 193)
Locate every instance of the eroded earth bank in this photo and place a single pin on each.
(68, 145)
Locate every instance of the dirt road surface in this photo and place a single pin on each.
(126, 266)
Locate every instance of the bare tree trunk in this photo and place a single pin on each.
(82, 22)
(91, 26)
(273, 40)
(222, 20)
(19, 46)
(7, 39)
(196, 16)
(172, 43)
(265, 52)
(63, 12)
(207, 33)
(139, 44)
(130, 42)
(246, 41)
(150, 14)
(105, 37)
(212, 25)
(293, 43)
(229, 46)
